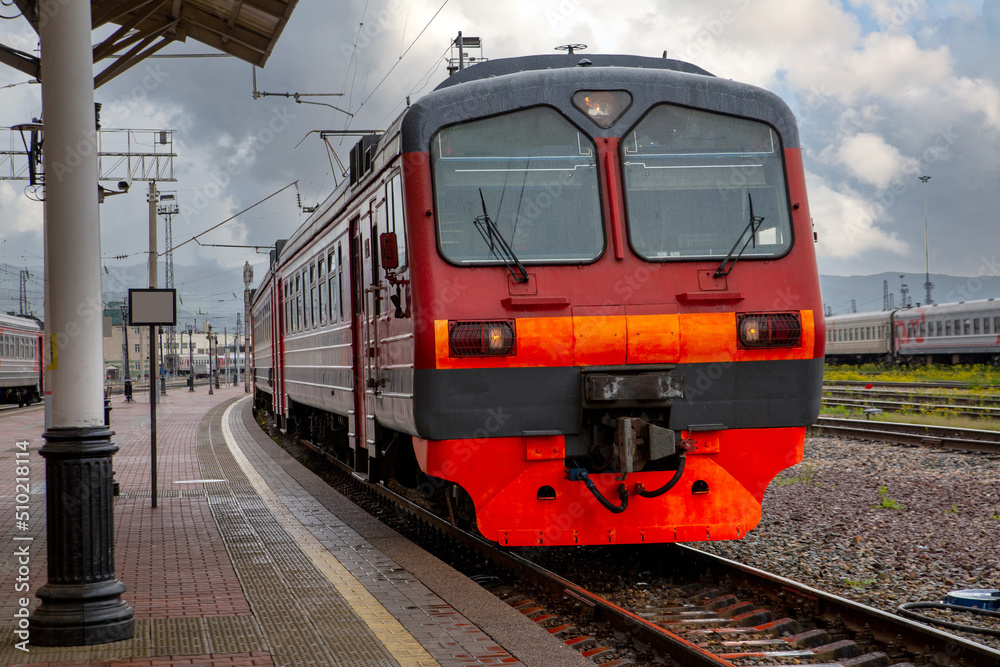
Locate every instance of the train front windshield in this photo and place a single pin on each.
(534, 173)
(690, 177)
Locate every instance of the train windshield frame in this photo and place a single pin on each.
(687, 174)
(536, 174)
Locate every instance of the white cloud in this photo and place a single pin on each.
(18, 214)
(871, 160)
(845, 222)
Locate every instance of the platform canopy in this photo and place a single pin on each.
(245, 29)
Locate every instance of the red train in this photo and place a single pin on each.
(575, 295)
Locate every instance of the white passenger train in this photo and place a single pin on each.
(20, 360)
(964, 332)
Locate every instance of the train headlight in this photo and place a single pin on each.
(761, 330)
(603, 107)
(481, 339)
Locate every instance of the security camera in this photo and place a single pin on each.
(123, 186)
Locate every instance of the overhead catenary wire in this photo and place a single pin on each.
(232, 217)
(400, 59)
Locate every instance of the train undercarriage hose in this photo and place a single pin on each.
(578, 474)
(666, 487)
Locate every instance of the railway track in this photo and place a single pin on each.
(910, 434)
(859, 404)
(710, 610)
(889, 394)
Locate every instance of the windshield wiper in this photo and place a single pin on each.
(753, 226)
(498, 245)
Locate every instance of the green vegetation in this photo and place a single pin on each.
(887, 502)
(977, 376)
(804, 476)
(859, 583)
(953, 510)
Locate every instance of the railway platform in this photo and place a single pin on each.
(251, 559)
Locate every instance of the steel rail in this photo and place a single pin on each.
(883, 626)
(898, 406)
(980, 400)
(910, 434)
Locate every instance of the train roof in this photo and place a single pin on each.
(501, 86)
(502, 66)
(26, 323)
(949, 309)
(942, 309)
(856, 318)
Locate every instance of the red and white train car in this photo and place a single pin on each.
(20, 360)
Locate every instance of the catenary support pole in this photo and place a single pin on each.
(81, 600)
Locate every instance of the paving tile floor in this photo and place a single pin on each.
(251, 570)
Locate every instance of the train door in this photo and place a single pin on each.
(357, 422)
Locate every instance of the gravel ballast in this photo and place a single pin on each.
(880, 523)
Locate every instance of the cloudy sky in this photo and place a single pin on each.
(885, 91)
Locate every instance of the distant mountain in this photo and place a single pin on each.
(867, 291)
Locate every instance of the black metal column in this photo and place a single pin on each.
(81, 603)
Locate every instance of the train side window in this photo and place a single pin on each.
(394, 213)
(996, 324)
(312, 296)
(340, 279)
(947, 328)
(967, 328)
(923, 329)
(334, 290)
(321, 281)
(975, 326)
(986, 325)
(298, 303)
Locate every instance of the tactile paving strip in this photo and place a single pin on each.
(216, 635)
(304, 618)
(446, 634)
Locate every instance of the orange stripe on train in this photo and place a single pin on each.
(615, 339)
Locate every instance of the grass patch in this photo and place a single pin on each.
(804, 476)
(975, 376)
(859, 583)
(953, 509)
(887, 502)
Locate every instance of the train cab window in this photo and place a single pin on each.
(536, 175)
(689, 178)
